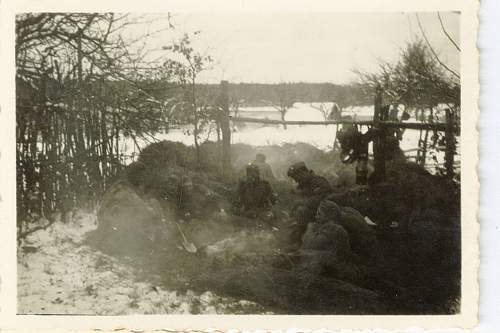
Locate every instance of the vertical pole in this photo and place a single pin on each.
(424, 148)
(379, 141)
(226, 131)
(449, 154)
(426, 137)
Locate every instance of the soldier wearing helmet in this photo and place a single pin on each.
(255, 196)
(314, 189)
(264, 168)
(308, 183)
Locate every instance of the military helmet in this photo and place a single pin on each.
(260, 157)
(347, 140)
(346, 135)
(296, 169)
(328, 210)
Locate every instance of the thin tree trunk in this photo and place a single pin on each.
(196, 120)
(282, 113)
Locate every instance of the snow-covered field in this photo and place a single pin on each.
(57, 274)
(320, 136)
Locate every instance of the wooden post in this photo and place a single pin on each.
(379, 141)
(449, 154)
(423, 157)
(226, 131)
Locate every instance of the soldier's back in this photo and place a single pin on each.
(255, 194)
(265, 170)
(316, 185)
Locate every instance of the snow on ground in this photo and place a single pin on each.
(322, 137)
(57, 274)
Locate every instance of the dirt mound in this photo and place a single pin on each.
(418, 229)
(139, 214)
(128, 223)
(407, 189)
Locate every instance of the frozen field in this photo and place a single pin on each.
(320, 136)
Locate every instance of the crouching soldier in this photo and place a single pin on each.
(314, 189)
(362, 238)
(255, 196)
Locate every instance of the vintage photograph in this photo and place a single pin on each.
(272, 163)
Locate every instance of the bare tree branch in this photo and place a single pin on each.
(455, 74)
(447, 34)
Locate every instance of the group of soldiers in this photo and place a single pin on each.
(319, 222)
(255, 196)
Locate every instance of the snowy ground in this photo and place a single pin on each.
(57, 274)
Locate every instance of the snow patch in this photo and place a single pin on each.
(61, 275)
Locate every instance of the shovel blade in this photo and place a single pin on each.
(190, 247)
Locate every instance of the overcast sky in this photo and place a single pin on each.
(310, 47)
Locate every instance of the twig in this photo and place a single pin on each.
(434, 52)
(447, 34)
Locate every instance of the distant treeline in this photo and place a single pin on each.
(255, 94)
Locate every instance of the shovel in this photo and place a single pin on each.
(188, 246)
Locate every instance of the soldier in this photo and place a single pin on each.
(255, 196)
(314, 188)
(362, 238)
(354, 148)
(264, 168)
(308, 183)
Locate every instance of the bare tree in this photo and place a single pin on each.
(322, 108)
(283, 100)
(434, 53)
(417, 80)
(188, 69)
(81, 86)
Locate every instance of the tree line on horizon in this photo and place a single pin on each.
(260, 94)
